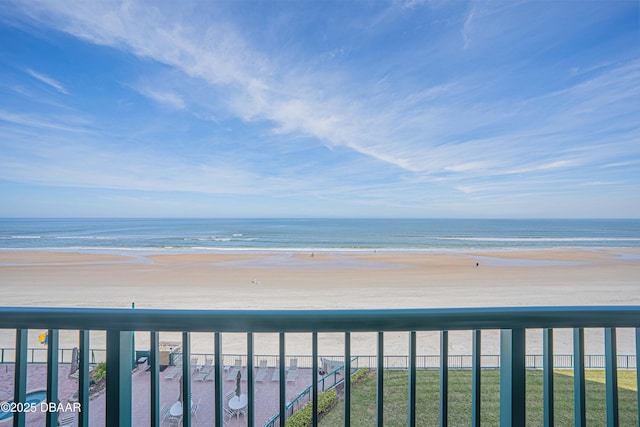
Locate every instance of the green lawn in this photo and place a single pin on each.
(428, 391)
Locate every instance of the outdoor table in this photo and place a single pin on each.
(176, 409)
(236, 404)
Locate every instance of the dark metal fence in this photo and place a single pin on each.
(513, 362)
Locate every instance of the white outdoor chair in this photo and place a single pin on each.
(262, 370)
(66, 421)
(233, 373)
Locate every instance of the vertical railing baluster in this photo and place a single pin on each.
(476, 370)
(580, 419)
(250, 384)
(347, 379)
(186, 379)
(412, 379)
(444, 378)
(314, 379)
(52, 375)
(638, 370)
(219, 409)
(154, 358)
(282, 385)
(380, 382)
(83, 378)
(611, 373)
(512, 377)
(118, 395)
(20, 376)
(547, 366)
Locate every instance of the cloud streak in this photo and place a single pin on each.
(169, 99)
(465, 114)
(48, 81)
(411, 137)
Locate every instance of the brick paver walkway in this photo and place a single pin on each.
(266, 395)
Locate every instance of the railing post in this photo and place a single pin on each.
(217, 344)
(412, 379)
(611, 372)
(186, 379)
(20, 376)
(134, 360)
(547, 365)
(250, 385)
(118, 395)
(314, 379)
(154, 359)
(380, 382)
(512, 378)
(638, 371)
(444, 378)
(282, 383)
(52, 375)
(476, 373)
(580, 417)
(347, 379)
(83, 378)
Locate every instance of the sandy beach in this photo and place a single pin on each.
(276, 280)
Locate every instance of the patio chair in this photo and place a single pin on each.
(262, 370)
(243, 411)
(164, 412)
(194, 365)
(211, 376)
(276, 373)
(228, 414)
(207, 369)
(228, 397)
(195, 407)
(292, 373)
(202, 375)
(233, 372)
(173, 373)
(66, 421)
(175, 421)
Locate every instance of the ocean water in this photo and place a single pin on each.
(412, 235)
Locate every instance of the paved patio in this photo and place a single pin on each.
(266, 395)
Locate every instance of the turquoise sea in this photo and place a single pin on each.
(396, 235)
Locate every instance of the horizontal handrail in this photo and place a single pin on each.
(319, 320)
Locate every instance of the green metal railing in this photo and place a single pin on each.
(305, 396)
(391, 362)
(511, 321)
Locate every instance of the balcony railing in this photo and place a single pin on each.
(512, 323)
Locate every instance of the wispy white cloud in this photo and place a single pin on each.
(412, 137)
(48, 81)
(621, 164)
(59, 123)
(170, 99)
(89, 164)
(467, 27)
(469, 132)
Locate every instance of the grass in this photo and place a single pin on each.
(363, 399)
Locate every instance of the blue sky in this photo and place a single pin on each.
(319, 108)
